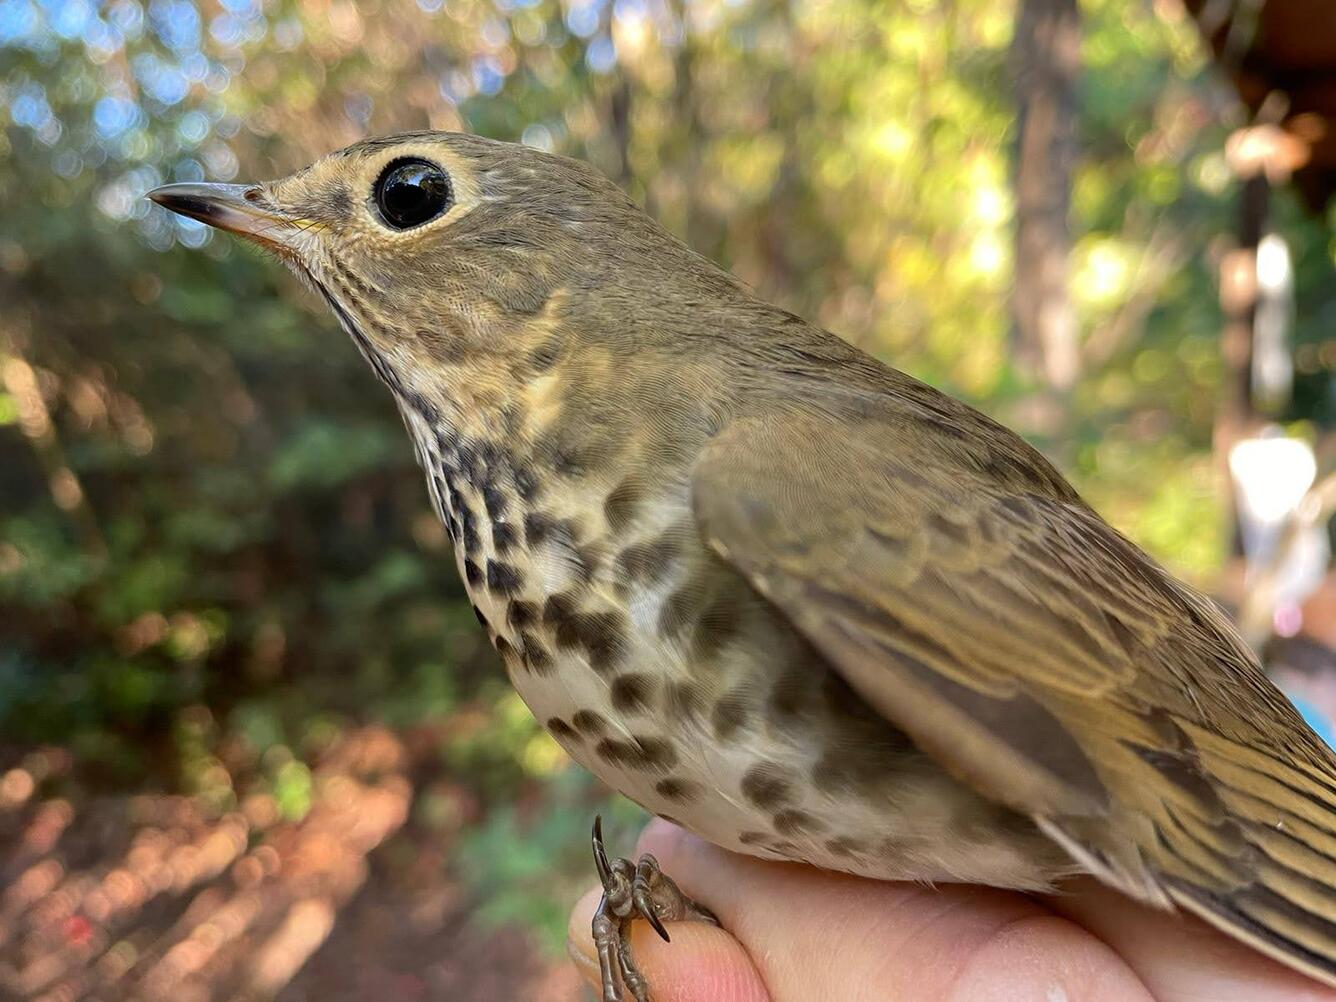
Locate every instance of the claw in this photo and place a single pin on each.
(600, 855)
(645, 908)
(632, 891)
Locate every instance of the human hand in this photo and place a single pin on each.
(796, 934)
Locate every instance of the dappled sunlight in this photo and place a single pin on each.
(197, 904)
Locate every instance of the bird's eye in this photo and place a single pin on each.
(411, 192)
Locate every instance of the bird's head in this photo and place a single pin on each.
(441, 250)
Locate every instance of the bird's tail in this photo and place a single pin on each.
(1244, 839)
(1285, 812)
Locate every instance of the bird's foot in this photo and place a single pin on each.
(631, 891)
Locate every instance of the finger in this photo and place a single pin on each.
(703, 962)
(1180, 958)
(810, 931)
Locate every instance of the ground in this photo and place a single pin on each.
(148, 896)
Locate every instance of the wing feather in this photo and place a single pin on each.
(1042, 659)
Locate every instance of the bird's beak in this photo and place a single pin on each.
(238, 208)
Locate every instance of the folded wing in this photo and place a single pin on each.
(1042, 659)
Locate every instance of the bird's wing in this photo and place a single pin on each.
(1044, 660)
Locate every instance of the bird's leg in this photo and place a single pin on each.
(634, 891)
(607, 943)
(632, 977)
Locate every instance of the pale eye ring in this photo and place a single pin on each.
(411, 191)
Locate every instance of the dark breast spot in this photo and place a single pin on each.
(680, 790)
(718, 624)
(494, 457)
(472, 573)
(540, 528)
(793, 822)
(790, 695)
(526, 484)
(503, 578)
(494, 501)
(535, 656)
(602, 635)
(520, 613)
(730, 713)
(421, 405)
(641, 753)
(469, 462)
(559, 612)
(468, 530)
(562, 730)
(646, 563)
(504, 536)
(767, 785)
(589, 722)
(631, 692)
(845, 846)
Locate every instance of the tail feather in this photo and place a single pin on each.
(1284, 808)
(1240, 838)
(1277, 927)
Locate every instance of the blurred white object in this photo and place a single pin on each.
(1286, 554)
(1272, 365)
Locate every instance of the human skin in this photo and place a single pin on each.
(794, 934)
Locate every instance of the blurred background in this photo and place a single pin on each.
(252, 743)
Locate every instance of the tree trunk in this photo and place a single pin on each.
(1045, 58)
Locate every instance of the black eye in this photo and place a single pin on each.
(411, 192)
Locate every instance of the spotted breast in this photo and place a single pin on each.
(658, 669)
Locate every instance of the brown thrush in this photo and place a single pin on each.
(760, 583)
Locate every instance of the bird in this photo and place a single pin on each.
(772, 589)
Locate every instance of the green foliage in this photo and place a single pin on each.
(529, 865)
(322, 454)
(44, 564)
